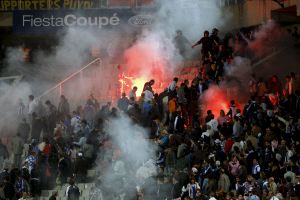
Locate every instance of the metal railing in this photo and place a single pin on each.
(60, 84)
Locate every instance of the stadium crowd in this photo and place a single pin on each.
(240, 153)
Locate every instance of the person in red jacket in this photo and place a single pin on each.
(228, 144)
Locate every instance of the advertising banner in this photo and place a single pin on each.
(11, 5)
(49, 21)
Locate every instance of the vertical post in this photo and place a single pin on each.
(60, 90)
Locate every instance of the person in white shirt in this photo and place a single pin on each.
(76, 123)
(255, 169)
(191, 188)
(213, 123)
(173, 84)
(148, 95)
(32, 105)
(132, 93)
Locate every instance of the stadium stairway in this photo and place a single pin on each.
(84, 188)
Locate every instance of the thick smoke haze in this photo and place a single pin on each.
(132, 159)
(154, 54)
(10, 99)
(267, 43)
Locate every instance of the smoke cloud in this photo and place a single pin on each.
(132, 159)
(154, 54)
(264, 45)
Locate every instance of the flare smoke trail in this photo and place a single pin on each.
(131, 158)
(267, 38)
(154, 54)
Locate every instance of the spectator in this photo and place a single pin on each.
(123, 103)
(63, 107)
(72, 191)
(132, 94)
(24, 130)
(3, 154)
(53, 196)
(206, 45)
(148, 86)
(17, 149)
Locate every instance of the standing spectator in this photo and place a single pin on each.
(24, 130)
(123, 103)
(172, 88)
(21, 109)
(261, 88)
(191, 188)
(181, 43)
(95, 102)
(36, 127)
(148, 86)
(132, 93)
(89, 112)
(148, 96)
(233, 166)
(224, 182)
(72, 191)
(53, 196)
(3, 155)
(256, 169)
(32, 105)
(75, 123)
(17, 149)
(172, 107)
(51, 117)
(253, 85)
(206, 45)
(31, 161)
(63, 107)
(64, 169)
(9, 189)
(21, 187)
(237, 127)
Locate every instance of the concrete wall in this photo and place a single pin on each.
(254, 12)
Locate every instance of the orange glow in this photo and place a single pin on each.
(139, 83)
(215, 99)
(148, 60)
(128, 82)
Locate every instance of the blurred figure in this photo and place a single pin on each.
(206, 45)
(54, 195)
(17, 149)
(89, 112)
(181, 43)
(51, 117)
(123, 103)
(148, 86)
(36, 127)
(172, 88)
(63, 107)
(32, 105)
(24, 130)
(3, 154)
(215, 40)
(21, 109)
(72, 191)
(132, 93)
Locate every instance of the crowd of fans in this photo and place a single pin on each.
(240, 153)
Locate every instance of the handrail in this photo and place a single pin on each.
(69, 77)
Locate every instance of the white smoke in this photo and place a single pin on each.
(11, 97)
(154, 54)
(132, 159)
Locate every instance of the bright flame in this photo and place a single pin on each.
(139, 83)
(215, 99)
(128, 82)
